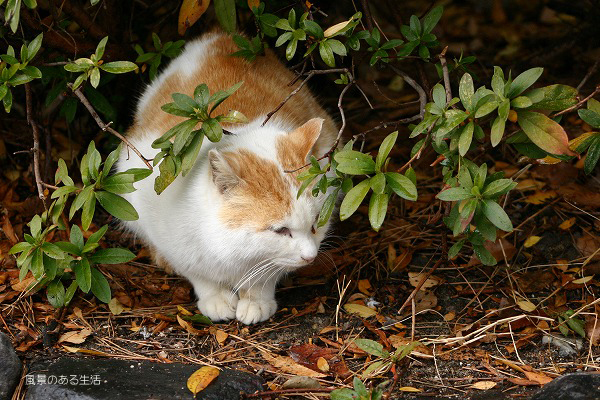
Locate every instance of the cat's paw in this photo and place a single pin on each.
(219, 307)
(250, 311)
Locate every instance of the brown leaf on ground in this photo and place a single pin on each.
(496, 248)
(588, 245)
(425, 300)
(592, 328)
(538, 377)
(76, 337)
(309, 354)
(580, 195)
(415, 277)
(534, 281)
(288, 365)
(540, 197)
(188, 326)
(203, 377)
(400, 341)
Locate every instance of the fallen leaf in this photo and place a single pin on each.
(567, 224)
(592, 329)
(415, 277)
(583, 280)
(310, 355)
(538, 377)
(360, 310)
(221, 336)
(288, 365)
(449, 316)
(200, 379)
(301, 382)
(76, 337)
(364, 286)
(189, 13)
(526, 305)
(187, 326)
(531, 241)
(580, 194)
(25, 284)
(86, 351)
(322, 364)
(587, 245)
(410, 389)
(183, 311)
(115, 306)
(483, 385)
(540, 197)
(425, 300)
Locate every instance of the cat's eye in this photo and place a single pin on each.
(283, 231)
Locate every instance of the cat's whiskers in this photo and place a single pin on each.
(254, 272)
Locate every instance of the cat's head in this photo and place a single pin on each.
(259, 198)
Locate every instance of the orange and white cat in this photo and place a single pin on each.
(233, 225)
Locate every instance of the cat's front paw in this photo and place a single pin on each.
(219, 307)
(250, 311)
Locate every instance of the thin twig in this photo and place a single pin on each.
(421, 282)
(588, 75)
(446, 75)
(106, 127)
(271, 393)
(36, 143)
(414, 85)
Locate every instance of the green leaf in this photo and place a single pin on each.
(284, 37)
(88, 212)
(100, 286)
(119, 183)
(523, 82)
(70, 292)
(466, 91)
(454, 194)
(327, 208)
(371, 347)
(343, 394)
(497, 216)
(488, 105)
(19, 247)
(212, 129)
(119, 67)
(222, 95)
(498, 187)
(466, 137)
(378, 183)
(117, 206)
(76, 237)
(401, 185)
(96, 236)
(553, 97)
(431, 19)
(384, 149)
(590, 117)
(497, 130)
(112, 256)
(202, 95)
(452, 120)
(337, 47)
(95, 77)
(34, 46)
(167, 175)
(100, 48)
(378, 205)
(326, 53)
(353, 199)
(56, 293)
(544, 132)
(37, 264)
(190, 154)
(354, 162)
(592, 104)
(592, 157)
(456, 247)
(225, 10)
(83, 274)
(439, 96)
(80, 200)
(52, 251)
(187, 125)
(521, 102)
(484, 255)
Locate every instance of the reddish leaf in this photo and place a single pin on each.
(545, 133)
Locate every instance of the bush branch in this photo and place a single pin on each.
(418, 88)
(446, 75)
(106, 127)
(36, 143)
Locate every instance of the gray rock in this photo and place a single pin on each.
(10, 368)
(578, 386)
(87, 379)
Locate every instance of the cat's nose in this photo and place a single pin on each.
(308, 259)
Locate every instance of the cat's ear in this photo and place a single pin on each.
(305, 137)
(223, 174)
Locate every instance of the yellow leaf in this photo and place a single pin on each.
(115, 306)
(360, 310)
(322, 364)
(410, 389)
(583, 280)
(190, 12)
(332, 30)
(183, 311)
(541, 197)
(567, 224)
(221, 336)
(531, 240)
(483, 385)
(187, 326)
(364, 286)
(574, 144)
(288, 365)
(526, 305)
(200, 379)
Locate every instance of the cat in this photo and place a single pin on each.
(233, 226)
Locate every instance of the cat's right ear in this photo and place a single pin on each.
(223, 175)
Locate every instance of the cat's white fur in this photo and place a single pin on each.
(234, 271)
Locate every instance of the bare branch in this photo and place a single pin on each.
(106, 127)
(579, 104)
(414, 85)
(36, 143)
(446, 75)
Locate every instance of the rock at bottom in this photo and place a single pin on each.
(578, 386)
(87, 379)
(10, 367)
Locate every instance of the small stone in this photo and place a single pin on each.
(10, 371)
(578, 386)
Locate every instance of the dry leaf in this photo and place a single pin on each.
(364, 286)
(587, 245)
(567, 224)
(115, 306)
(541, 197)
(288, 365)
(332, 30)
(425, 300)
(360, 310)
(415, 277)
(190, 12)
(309, 355)
(221, 336)
(538, 377)
(531, 241)
(526, 305)
(450, 316)
(592, 329)
(76, 337)
(22, 286)
(583, 280)
(410, 389)
(483, 385)
(86, 351)
(322, 364)
(187, 326)
(183, 311)
(200, 379)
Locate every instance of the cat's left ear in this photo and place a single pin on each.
(305, 137)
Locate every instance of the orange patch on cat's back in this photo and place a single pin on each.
(263, 196)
